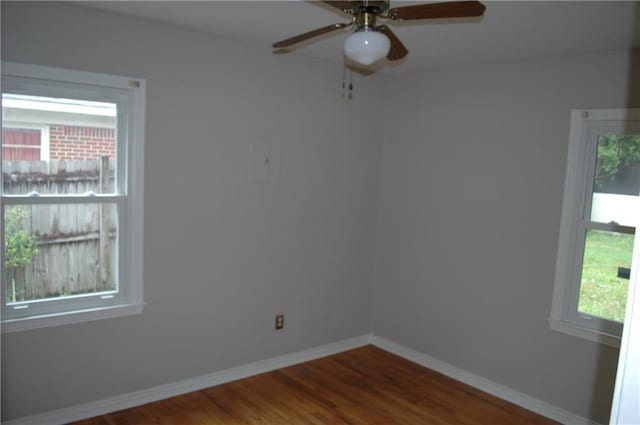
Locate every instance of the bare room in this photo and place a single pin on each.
(314, 212)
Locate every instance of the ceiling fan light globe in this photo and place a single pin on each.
(366, 47)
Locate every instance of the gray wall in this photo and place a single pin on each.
(222, 255)
(471, 190)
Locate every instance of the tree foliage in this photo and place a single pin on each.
(614, 153)
(20, 245)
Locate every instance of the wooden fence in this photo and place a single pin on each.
(76, 243)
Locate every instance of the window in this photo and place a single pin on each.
(600, 214)
(72, 196)
(25, 141)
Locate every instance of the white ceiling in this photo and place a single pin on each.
(508, 31)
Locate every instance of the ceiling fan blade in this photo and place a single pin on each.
(307, 35)
(454, 9)
(397, 50)
(344, 6)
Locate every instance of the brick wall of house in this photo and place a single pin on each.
(77, 143)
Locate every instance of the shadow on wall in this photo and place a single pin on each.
(605, 382)
(633, 98)
(608, 358)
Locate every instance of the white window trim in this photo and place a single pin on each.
(577, 175)
(131, 262)
(44, 135)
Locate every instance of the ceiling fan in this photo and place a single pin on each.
(371, 42)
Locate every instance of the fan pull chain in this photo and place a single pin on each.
(344, 71)
(349, 95)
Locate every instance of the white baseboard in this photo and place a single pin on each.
(523, 400)
(137, 398)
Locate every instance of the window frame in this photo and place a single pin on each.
(586, 127)
(130, 96)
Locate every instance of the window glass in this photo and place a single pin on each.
(81, 151)
(605, 274)
(616, 180)
(60, 250)
(614, 202)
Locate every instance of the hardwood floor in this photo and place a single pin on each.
(362, 386)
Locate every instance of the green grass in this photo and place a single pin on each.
(602, 293)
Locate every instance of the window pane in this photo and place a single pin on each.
(616, 182)
(604, 282)
(57, 146)
(59, 250)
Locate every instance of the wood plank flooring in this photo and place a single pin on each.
(362, 386)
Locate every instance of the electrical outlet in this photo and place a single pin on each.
(279, 321)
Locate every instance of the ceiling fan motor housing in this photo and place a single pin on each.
(373, 6)
(367, 13)
(365, 20)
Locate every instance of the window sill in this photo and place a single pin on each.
(580, 332)
(45, 321)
